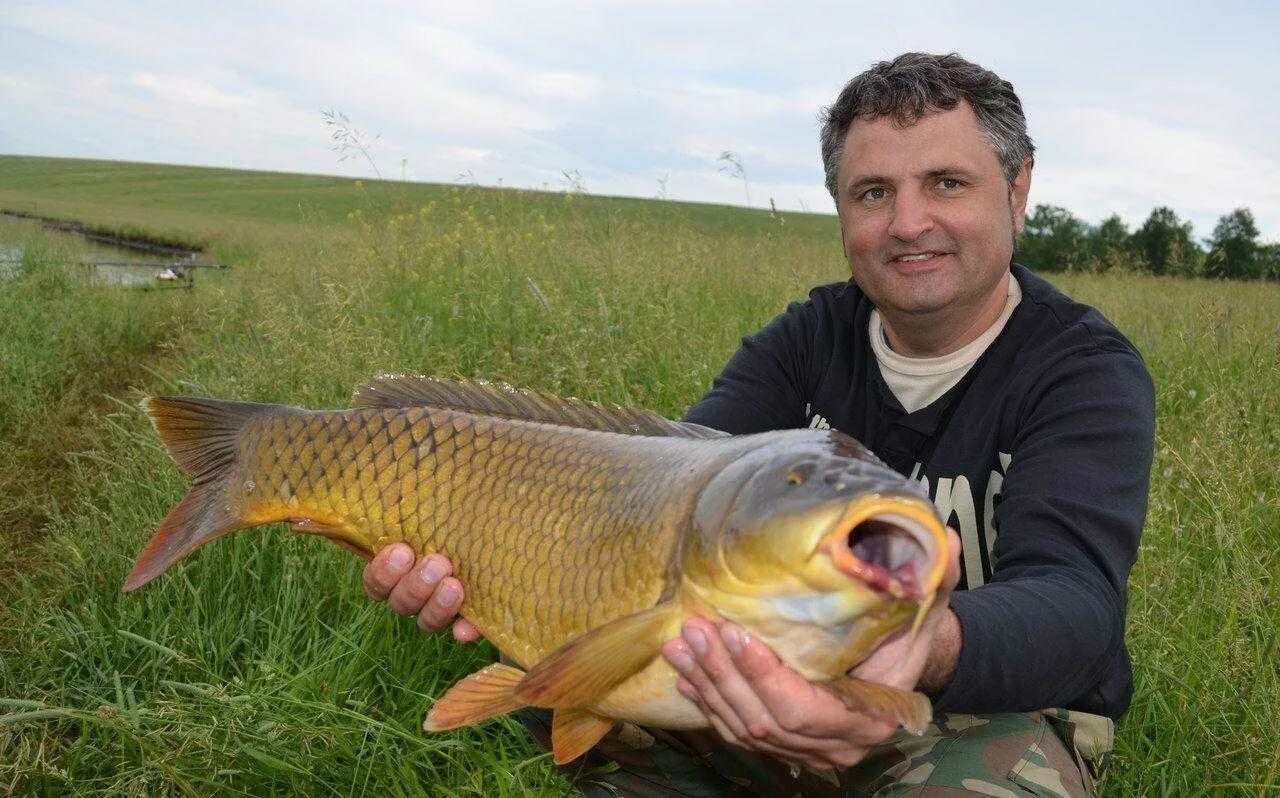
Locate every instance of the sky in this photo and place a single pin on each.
(1130, 105)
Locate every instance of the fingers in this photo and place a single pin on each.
(686, 655)
(385, 570)
(755, 700)
(690, 692)
(795, 705)
(732, 703)
(804, 716)
(416, 588)
(426, 590)
(465, 632)
(442, 608)
(726, 674)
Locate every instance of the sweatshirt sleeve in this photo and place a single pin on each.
(764, 384)
(1048, 627)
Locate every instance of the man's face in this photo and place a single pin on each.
(926, 214)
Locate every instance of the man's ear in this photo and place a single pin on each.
(1018, 193)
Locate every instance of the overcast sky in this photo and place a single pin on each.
(1172, 104)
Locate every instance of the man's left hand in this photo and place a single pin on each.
(756, 701)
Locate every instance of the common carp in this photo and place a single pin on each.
(585, 536)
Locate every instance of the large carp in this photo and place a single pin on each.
(585, 536)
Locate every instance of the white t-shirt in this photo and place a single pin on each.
(918, 381)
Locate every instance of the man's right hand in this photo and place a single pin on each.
(424, 589)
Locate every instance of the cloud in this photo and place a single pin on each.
(1153, 110)
(569, 86)
(1116, 161)
(178, 93)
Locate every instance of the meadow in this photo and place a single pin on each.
(258, 667)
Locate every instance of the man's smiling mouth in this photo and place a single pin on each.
(918, 257)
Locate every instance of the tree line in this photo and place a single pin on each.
(1054, 239)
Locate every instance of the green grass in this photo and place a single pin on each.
(65, 343)
(258, 666)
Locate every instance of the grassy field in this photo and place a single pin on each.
(258, 667)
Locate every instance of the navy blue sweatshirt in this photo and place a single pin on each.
(1039, 457)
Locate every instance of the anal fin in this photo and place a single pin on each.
(487, 693)
(910, 710)
(574, 731)
(585, 669)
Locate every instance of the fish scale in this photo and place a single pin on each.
(589, 521)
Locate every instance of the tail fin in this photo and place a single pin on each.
(200, 435)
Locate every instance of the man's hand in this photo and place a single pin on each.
(424, 589)
(754, 700)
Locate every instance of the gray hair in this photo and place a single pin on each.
(915, 84)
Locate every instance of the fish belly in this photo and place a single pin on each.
(650, 698)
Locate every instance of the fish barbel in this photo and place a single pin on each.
(585, 536)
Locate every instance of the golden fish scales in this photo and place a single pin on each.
(553, 530)
(584, 535)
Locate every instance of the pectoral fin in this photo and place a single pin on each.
(485, 694)
(574, 731)
(586, 668)
(910, 710)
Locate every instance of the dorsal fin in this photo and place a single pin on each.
(505, 401)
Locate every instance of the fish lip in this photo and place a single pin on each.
(924, 577)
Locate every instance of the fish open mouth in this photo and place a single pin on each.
(889, 551)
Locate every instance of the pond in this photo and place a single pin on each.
(110, 264)
(10, 259)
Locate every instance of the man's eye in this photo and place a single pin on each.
(949, 184)
(874, 193)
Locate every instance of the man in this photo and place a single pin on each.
(1029, 417)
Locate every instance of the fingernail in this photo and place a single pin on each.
(400, 557)
(434, 571)
(680, 658)
(732, 637)
(696, 639)
(447, 594)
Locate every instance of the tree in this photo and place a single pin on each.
(1108, 243)
(1233, 248)
(1269, 261)
(1165, 242)
(1053, 239)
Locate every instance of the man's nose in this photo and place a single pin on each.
(912, 217)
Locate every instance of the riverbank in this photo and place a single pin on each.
(139, 242)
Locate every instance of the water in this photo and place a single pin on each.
(111, 265)
(163, 274)
(10, 260)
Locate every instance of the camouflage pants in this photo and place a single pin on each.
(1035, 753)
